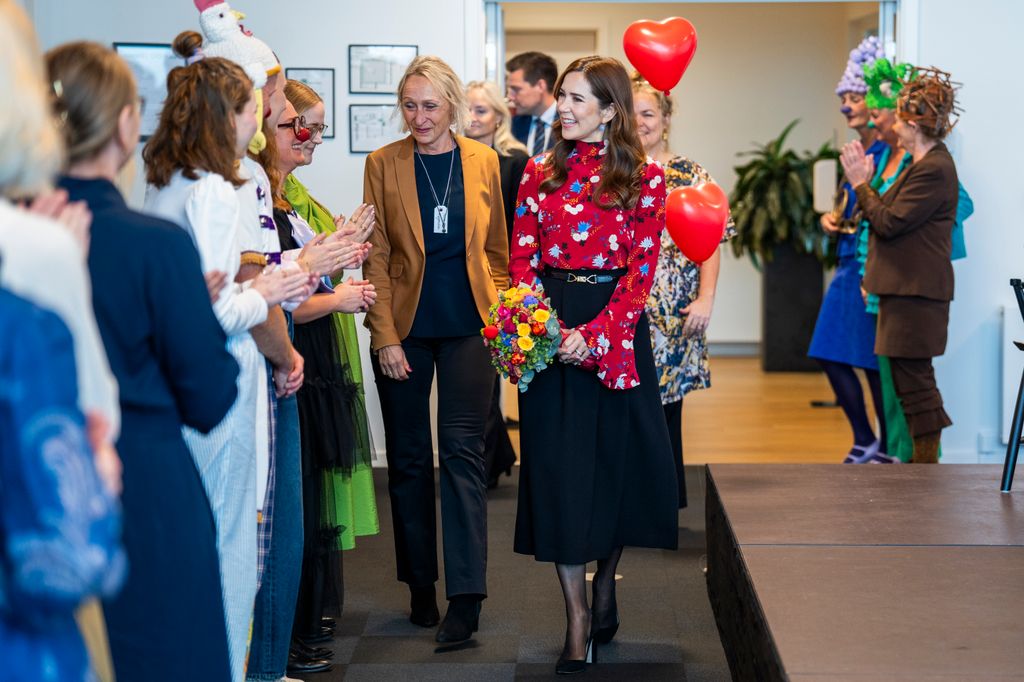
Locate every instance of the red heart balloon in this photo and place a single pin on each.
(660, 50)
(696, 218)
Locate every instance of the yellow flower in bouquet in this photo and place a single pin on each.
(522, 334)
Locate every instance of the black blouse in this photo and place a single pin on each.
(446, 306)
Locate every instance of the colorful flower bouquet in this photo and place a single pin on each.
(522, 334)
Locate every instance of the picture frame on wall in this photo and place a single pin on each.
(371, 126)
(321, 80)
(377, 69)
(150, 63)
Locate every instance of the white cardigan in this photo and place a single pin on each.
(42, 263)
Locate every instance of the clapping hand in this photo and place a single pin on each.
(360, 226)
(277, 285)
(327, 254)
(857, 165)
(355, 296)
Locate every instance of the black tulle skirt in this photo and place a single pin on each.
(596, 464)
(327, 399)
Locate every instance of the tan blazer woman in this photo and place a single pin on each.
(396, 263)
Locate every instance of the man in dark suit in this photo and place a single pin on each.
(529, 83)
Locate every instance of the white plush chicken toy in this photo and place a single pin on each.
(227, 38)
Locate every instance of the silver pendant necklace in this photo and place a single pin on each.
(440, 206)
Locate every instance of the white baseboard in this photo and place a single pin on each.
(734, 349)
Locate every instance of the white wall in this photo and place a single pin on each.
(978, 45)
(757, 67)
(451, 29)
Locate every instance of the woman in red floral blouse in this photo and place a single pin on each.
(597, 471)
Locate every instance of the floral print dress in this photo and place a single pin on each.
(682, 361)
(566, 229)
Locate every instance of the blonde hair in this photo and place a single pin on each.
(504, 142)
(447, 84)
(665, 105)
(96, 86)
(30, 148)
(302, 97)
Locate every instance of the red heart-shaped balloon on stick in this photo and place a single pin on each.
(660, 50)
(696, 219)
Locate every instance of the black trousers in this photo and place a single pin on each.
(465, 381)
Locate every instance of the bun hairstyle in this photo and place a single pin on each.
(92, 86)
(188, 45)
(928, 98)
(625, 158)
(196, 131)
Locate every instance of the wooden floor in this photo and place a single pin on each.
(750, 416)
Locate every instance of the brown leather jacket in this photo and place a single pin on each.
(397, 262)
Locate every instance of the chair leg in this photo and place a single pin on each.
(1013, 446)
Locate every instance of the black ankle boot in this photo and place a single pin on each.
(462, 619)
(424, 606)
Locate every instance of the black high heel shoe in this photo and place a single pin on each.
(570, 666)
(603, 635)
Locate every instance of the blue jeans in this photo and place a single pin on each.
(275, 602)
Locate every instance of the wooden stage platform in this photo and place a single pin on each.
(864, 572)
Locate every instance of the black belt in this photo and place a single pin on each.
(585, 276)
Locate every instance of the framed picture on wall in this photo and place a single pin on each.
(322, 82)
(376, 69)
(371, 126)
(150, 62)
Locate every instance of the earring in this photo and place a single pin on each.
(601, 127)
(664, 136)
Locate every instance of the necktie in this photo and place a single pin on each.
(538, 136)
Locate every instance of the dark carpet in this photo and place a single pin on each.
(668, 631)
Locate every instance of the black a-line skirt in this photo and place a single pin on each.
(596, 464)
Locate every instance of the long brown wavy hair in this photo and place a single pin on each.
(624, 161)
(196, 131)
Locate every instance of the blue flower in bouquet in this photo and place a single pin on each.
(530, 300)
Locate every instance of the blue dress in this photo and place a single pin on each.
(59, 527)
(168, 353)
(845, 331)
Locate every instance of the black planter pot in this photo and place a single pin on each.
(791, 285)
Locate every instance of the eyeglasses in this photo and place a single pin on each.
(304, 131)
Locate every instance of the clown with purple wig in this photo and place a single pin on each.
(844, 336)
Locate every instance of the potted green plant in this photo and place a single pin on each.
(772, 206)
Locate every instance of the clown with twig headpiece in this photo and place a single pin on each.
(908, 265)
